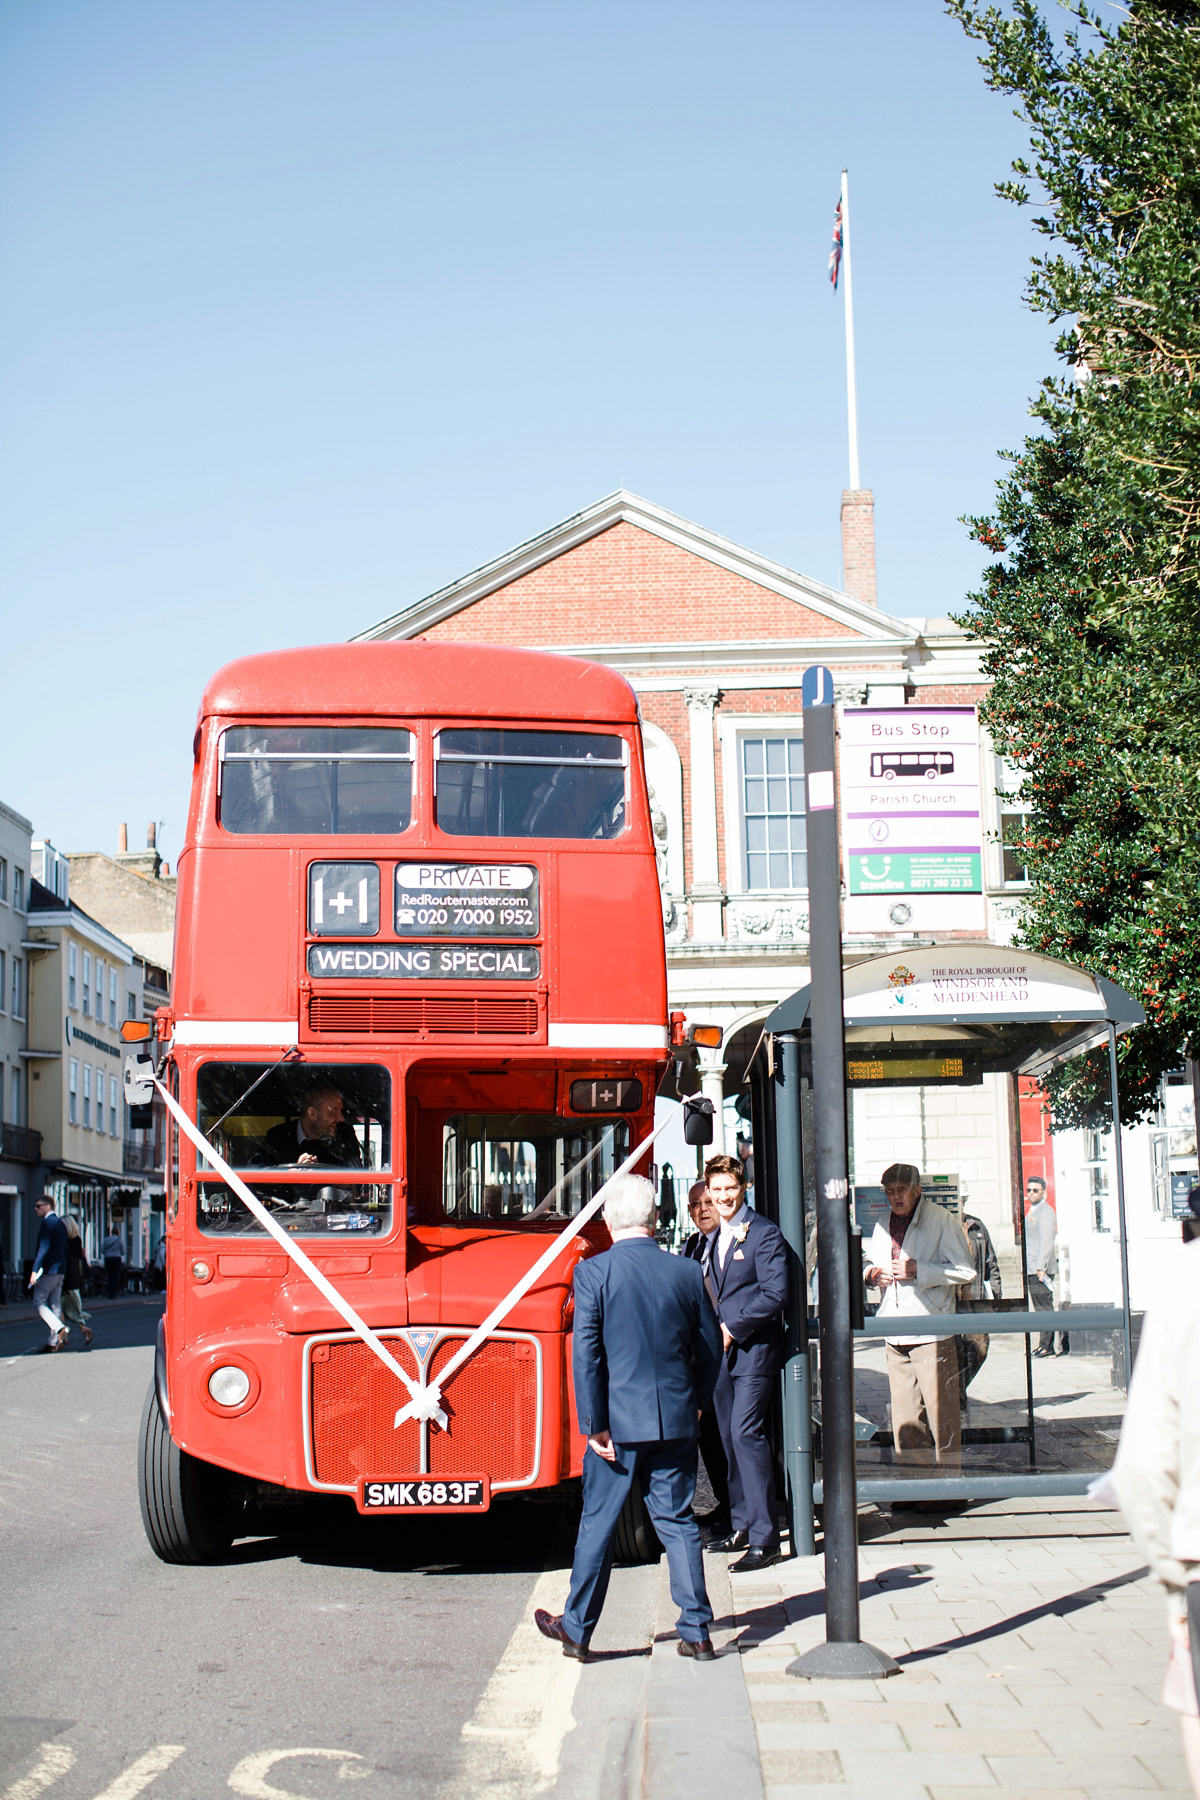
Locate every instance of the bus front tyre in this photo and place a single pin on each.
(189, 1510)
(635, 1539)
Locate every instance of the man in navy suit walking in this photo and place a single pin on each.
(745, 1271)
(646, 1354)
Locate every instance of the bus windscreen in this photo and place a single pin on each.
(524, 1168)
(530, 784)
(335, 1115)
(316, 1208)
(315, 780)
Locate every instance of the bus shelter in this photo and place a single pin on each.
(942, 1045)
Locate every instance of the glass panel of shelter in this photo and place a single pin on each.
(1005, 1410)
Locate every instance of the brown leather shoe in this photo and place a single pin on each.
(550, 1625)
(700, 1652)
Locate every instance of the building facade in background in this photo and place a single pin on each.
(83, 983)
(20, 1148)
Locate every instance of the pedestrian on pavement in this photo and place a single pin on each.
(49, 1267)
(745, 1271)
(920, 1257)
(1041, 1256)
(112, 1249)
(645, 1357)
(714, 1524)
(979, 1296)
(1157, 1476)
(72, 1287)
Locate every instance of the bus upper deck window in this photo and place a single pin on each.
(530, 784)
(319, 780)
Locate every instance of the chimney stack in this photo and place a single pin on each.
(122, 840)
(151, 834)
(858, 545)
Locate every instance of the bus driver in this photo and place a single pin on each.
(319, 1134)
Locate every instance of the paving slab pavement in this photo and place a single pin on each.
(1032, 1646)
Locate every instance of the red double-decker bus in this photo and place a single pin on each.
(419, 1017)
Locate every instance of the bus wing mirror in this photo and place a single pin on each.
(139, 1090)
(697, 1120)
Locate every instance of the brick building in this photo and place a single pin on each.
(714, 638)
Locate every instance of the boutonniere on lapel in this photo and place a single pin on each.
(739, 1238)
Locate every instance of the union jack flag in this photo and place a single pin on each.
(835, 253)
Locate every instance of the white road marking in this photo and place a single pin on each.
(141, 1773)
(512, 1746)
(250, 1776)
(56, 1760)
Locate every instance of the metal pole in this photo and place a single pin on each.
(797, 1407)
(842, 1655)
(851, 390)
(1018, 1165)
(1116, 1123)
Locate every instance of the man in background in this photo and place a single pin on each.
(112, 1249)
(645, 1357)
(49, 1267)
(1041, 1259)
(714, 1524)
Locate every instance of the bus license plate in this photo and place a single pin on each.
(425, 1493)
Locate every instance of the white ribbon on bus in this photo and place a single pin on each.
(425, 1397)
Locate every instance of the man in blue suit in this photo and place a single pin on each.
(49, 1267)
(646, 1355)
(745, 1271)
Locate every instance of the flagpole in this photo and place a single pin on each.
(851, 391)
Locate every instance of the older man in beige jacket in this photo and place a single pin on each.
(920, 1257)
(1157, 1475)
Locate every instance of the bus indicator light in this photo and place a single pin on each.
(343, 899)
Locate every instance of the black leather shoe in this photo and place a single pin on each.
(1066, 1348)
(550, 1625)
(737, 1540)
(701, 1652)
(756, 1558)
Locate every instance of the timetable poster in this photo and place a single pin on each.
(912, 819)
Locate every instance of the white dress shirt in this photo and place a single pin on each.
(728, 1231)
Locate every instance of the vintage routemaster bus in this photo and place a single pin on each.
(420, 1012)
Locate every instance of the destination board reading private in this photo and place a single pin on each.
(466, 900)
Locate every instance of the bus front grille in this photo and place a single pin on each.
(452, 1015)
(492, 1404)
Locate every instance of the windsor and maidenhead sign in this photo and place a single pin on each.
(471, 900)
(424, 962)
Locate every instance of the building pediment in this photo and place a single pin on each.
(752, 598)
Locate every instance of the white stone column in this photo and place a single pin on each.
(712, 1086)
(706, 893)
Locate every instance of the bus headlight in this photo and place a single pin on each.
(229, 1385)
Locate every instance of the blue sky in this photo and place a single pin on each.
(308, 309)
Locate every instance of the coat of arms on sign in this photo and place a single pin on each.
(900, 981)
